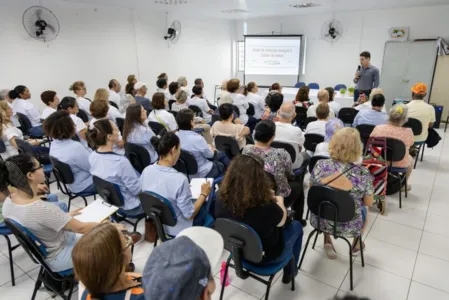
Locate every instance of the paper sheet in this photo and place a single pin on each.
(97, 211)
(195, 186)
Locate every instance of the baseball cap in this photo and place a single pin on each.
(181, 268)
(419, 88)
(139, 85)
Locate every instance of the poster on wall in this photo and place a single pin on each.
(399, 34)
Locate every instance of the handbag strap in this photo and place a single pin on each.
(343, 173)
(160, 121)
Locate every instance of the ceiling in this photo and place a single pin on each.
(260, 8)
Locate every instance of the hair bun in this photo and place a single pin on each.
(13, 94)
(155, 141)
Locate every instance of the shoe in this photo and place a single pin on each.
(136, 237)
(409, 187)
(130, 267)
(287, 278)
(330, 251)
(356, 251)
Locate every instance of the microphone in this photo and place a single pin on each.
(358, 69)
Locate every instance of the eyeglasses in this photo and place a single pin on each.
(35, 169)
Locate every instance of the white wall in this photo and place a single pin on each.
(331, 64)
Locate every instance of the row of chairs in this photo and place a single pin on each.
(316, 86)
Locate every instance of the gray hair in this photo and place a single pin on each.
(226, 97)
(4, 94)
(182, 96)
(287, 111)
(398, 114)
(182, 81)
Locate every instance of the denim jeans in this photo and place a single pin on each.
(36, 131)
(91, 189)
(220, 164)
(63, 260)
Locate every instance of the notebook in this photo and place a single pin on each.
(195, 186)
(97, 211)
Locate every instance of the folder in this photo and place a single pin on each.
(97, 211)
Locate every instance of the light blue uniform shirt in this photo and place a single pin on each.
(141, 135)
(196, 144)
(370, 117)
(117, 169)
(174, 187)
(77, 157)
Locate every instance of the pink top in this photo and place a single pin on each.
(400, 133)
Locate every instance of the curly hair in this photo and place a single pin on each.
(245, 185)
(346, 145)
(59, 126)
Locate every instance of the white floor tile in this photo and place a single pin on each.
(420, 291)
(23, 289)
(5, 274)
(396, 234)
(435, 245)
(407, 215)
(231, 293)
(432, 271)
(438, 206)
(436, 224)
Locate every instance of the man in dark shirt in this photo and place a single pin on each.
(141, 89)
(367, 76)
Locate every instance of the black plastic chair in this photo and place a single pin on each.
(312, 140)
(160, 211)
(25, 125)
(417, 129)
(170, 103)
(215, 118)
(186, 164)
(250, 111)
(227, 145)
(138, 156)
(2, 149)
(396, 151)
(301, 116)
(248, 254)
(83, 115)
(37, 252)
(365, 131)
(64, 176)
(287, 147)
(236, 110)
(174, 113)
(309, 120)
(347, 115)
(312, 162)
(5, 231)
(120, 124)
(112, 103)
(198, 112)
(157, 128)
(334, 205)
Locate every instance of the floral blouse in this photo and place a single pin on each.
(278, 163)
(269, 115)
(362, 184)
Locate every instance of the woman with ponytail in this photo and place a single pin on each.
(20, 94)
(70, 105)
(252, 97)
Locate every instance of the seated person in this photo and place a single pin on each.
(53, 227)
(275, 88)
(160, 115)
(9, 133)
(113, 112)
(421, 110)
(374, 116)
(141, 91)
(393, 129)
(345, 148)
(211, 163)
(136, 130)
(104, 277)
(274, 103)
(323, 97)
(227, 98)
(180, 96)
(256, 100)
(318, 126)
(114, 168)
(225, 127)
(198, 101)
(279, 164)
(60, 127)
(365, 102)
(287, 133)
(334, 106)
(99, 110)
(51, 100)
(70, 105)
(20, 94)
(174, 89)
(302, 97)
(246, 195)
(239, 100)
(79, 88)
(162, 179)
(322, 149)
(162, 86)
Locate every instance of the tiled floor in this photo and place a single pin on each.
(407, 251)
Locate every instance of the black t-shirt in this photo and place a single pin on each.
(264, 220)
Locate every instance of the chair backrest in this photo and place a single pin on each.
(365, 131)
(83, 115)
(198, 112)
(312, 140)
(314, 86)
(313, 160)
(415, 125)
(250, 111)
(228, 145)
(301, 115)
(215, 118)
(25, 147)
(287, 147)
(396, 150)
(236, 110)
(156, 127)
(300, 84)
(156, 205)
(138, 156)
(338, 87)
(347, 115)
(62, 171)
(170, 103)
(120, 124)
(309, 120)
(331, 204)
(174, 113)
(186, 163)
(112, 103)
(109, 192)
(25, 123)
(241, 240)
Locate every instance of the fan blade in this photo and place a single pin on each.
(330, 24)
(49, 26)
(327, 35)
(39, 14)
(337, 32)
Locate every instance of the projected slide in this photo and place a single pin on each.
(272, 56)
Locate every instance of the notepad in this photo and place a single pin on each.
(195, 186)
(97, 211)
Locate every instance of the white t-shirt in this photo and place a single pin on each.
(25, 107)
(202, 104)
(115, 97)
(8, 133)
(84, 104)
(316, 127)
(367, 105)
(335, 107)
(163, 117)
(79, 125)
(47, 111)
(114, 113)
(240, 101)
(292, 135)
(258, 102)
(311, 112)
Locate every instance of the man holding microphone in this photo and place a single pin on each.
(366, 77)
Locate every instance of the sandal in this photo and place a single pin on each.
(330, 251)
(356, 250)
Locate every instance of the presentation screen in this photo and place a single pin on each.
(270, 59)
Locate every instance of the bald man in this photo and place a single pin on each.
(323, 96)
(287, 133)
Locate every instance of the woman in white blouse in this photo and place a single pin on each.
(241, 103)
(113, 112)
(80, 91)
(20, 94)
(70, 105)
(160, 115)
(52, 101)
(250, 92)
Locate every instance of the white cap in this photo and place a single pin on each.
(139, 85)
(207, 239)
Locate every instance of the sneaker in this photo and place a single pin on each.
(409, 187)
(330, 251)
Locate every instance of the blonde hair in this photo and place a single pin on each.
(182, 96)
(226, 97)
(5, 119)
(398, 114)
(76, 86)
(182, 81)
(346, 145)
(102, 94)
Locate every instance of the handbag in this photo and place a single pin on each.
(433, 138)
(150, 231)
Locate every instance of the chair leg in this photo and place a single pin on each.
(293, 272)
(405, 180)
(400, 197)
(11, 263)
(361, 251)
(267, 295)
(350, 262)
(316, 238)
(69, 296)
(422, 153)
(223, 283)
(70, 202)
(307, 215)
(417, 156)
(305, 249)
(38, 283)
(85, 201)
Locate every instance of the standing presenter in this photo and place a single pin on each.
(367, 76)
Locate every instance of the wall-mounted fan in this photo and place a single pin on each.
(331, 31)
(174, 32)
(40, 23)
